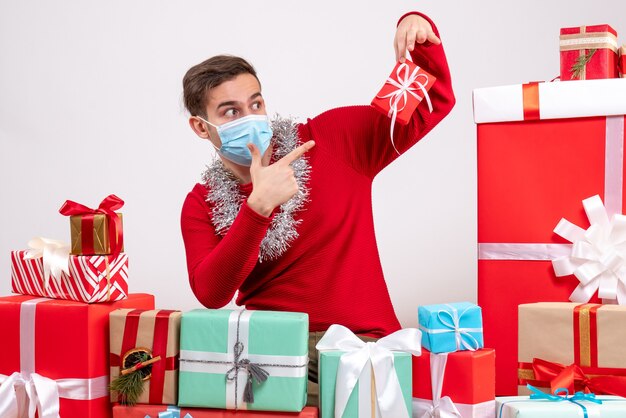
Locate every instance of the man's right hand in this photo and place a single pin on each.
(273, 184)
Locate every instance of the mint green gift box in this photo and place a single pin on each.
(276, 342)
(328, 366)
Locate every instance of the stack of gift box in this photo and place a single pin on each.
(551, 236)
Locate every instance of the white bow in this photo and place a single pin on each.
(359, 355)
(55, 254)
(440, 407)
(598, 255)
(37, 394)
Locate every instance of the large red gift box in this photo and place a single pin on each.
(542, 149)
(55, 345)
(468, 379)
(154, 411)
(91, 279)
(591, 48)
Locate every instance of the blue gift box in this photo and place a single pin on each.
(451, 327)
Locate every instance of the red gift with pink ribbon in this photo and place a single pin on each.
(54, 358)
(403, 91)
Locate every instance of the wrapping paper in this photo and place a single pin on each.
(518, 208)
(523, 407)
(162, 411)
(276, 342)
(91, 279)
(591, 336)
(622, 62)
(157, 331)
(451, 327)
(597, 45)
(469, 380)
(61, 341)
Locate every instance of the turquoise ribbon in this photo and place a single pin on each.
(562, 394)
(172, 412)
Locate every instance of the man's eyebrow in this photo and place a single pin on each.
(255, 95)
(229, 103)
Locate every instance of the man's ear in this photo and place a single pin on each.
(199, 127)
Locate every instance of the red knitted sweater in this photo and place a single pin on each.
(332, 270)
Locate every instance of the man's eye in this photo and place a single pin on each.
(256, 105)
(230, 112)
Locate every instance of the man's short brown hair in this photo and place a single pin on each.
(209, 74)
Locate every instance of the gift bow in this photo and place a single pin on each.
(441, 407)
(171, 412)
(107, 207)
(404, 85)
(55, 257)
(454, 325)
(573, 378)
(598, 257)
(557, 397)
(377, 355)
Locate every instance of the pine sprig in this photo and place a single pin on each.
(579, 66)
(129, 386)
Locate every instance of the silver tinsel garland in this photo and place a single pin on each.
(226, 199)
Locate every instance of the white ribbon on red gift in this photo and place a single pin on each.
(375, 355)
(598, 256)
(439, 407)
(25, 393)
(613, 183)
(406, 84)
(55, 257)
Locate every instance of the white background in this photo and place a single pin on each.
(90, 104)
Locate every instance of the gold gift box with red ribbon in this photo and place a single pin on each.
(588, 52)
(575, 346)
(154, 334)
(95, 231)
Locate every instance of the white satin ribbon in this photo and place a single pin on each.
(439, 407)
(454, 325)
(404, 85)
(598, 256)
(377, 355)
(55, 254)
(25, 393)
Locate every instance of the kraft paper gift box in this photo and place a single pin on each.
(588, 52)
(576, 346)
(355, 376)
(524, 407)
(155, 334)
(466, 378)
(89, 279)
(542, 149)
(225, 354)
(57, 345)
(95, 231)
(163, 411)
(451, 327)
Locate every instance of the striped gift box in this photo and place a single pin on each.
(91, 279)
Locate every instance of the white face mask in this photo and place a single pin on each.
(237, 134)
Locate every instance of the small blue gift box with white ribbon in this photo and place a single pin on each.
(451, 327)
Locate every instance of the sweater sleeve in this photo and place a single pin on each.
(359, 135)
(218, 266)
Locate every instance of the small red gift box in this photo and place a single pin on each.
(403, 91)
(155, 411)
(588, 52)
(622, 61)
(542, 149)
(467, 377)
(58, 347)
(155, 333)
(91, 279)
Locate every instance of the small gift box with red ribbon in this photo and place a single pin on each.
(542, 149)
(163, 411)
(579, 347)
(144, 353)
(95, 231)
(48, 270)
(403, 91)
(54, 357)
(588, 52)
(460, 384)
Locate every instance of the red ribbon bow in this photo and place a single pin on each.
(574, 379)
(107, 207)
